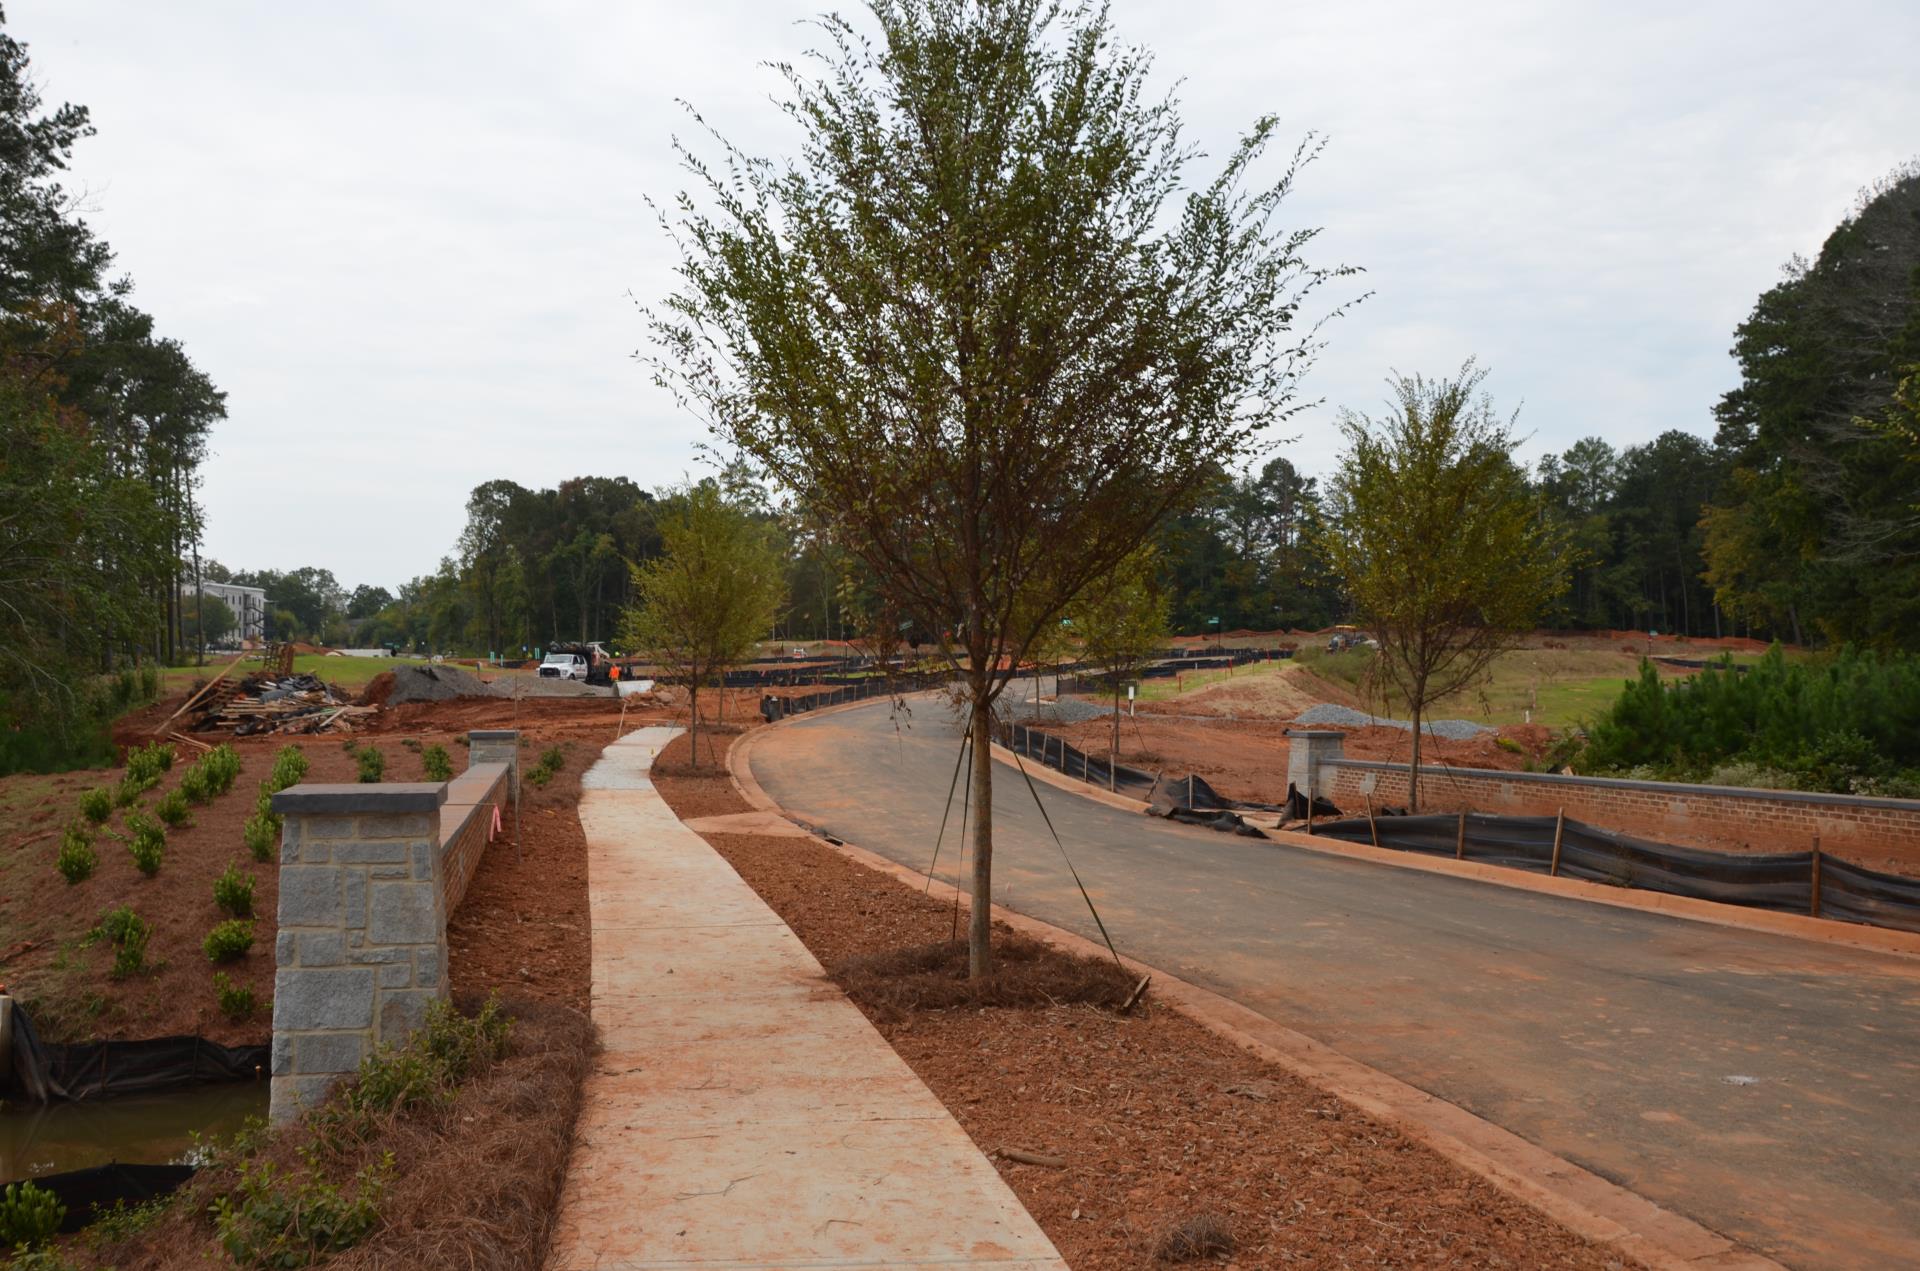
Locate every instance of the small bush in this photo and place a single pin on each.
(233, 892)
(196, 785)
(411, 743)
(77, 857)
(553, 759)
(222, 765)
(150, 762)
(289, 767)
(261, 832)
(373, 764)
(436, 763)
(97, 805)
(129, 933)
(428, 1069)
(237, 1001)
(29, 1215)
(228, 941)
(1509, 745)
(172, 809)
(273, 1221)
(127, 791)
(148, 844)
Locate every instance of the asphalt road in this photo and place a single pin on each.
(1764, 1086)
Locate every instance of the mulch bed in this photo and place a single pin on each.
(1177, 1144)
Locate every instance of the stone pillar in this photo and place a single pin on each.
(497, 745)
(362, 946)
(1307, 749)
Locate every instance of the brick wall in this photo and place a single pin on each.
(476, 804)
(1881, 834)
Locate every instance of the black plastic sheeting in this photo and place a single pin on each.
(773, 709)
(1781, 881)
(1189, 798)
(90, 1193)
(43, 1071)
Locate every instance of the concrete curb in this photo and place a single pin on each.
(1582, 1201)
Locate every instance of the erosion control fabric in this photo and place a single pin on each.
(43, 1071)
(89, 1193)
(1782, 881)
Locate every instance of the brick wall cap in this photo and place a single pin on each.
(1429, 772)
(361, 798)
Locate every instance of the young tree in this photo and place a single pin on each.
(970, 328)
(710, 596)
(207, 620)
(1444, 549)
(1121, 621)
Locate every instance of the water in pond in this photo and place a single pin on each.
(146, 1129)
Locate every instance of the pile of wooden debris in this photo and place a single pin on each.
(272, 701)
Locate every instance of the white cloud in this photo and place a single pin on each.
(402, 236)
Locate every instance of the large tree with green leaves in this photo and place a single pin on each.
(981, 325)
(1445, 551)
(712, 593)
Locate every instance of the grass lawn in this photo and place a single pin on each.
(347, 672)
(1162, 690)
(1559, 687)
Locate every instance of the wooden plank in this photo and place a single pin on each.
(205, 689)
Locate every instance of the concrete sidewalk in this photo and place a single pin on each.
(744, 1113)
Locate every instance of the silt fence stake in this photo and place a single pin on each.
(1460, 840)
(1815, 907)
(1559, 827)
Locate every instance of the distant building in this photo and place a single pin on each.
(249, 605)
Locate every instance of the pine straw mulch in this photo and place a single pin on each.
(475, 1185)
(1161, 1141)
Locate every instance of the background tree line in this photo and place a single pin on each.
(103, 427)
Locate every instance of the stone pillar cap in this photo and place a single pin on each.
(361, 798)
(1314, 733)
(492, 734)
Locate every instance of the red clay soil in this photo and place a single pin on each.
(1160, 1122)
(522, 927)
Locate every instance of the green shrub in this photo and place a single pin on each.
(289, 768)
(262, 833)
(172, 809)
(373, 764)
(222, 765)
(148, 844)
(1509, 745)
(150, 762)
(426, 1070)
(129, 933)
(97, 805)
(550, 763)
(29, 1215)
(271, 1220)
(233, 892)
(77, 857)
(196, 785)
(229, 940)
(127, 791)
(436, 763)
(237, 1002)
(411, 743)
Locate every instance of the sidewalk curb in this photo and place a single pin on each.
(1582, 1201)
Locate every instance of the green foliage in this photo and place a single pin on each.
(1442, 546)
(128, 932)
(436, 763)
(29, 1215)
(147, 842)
(77, 858)
(233, 892)
(124, 1221)
(1849, 723)
(289, 768)
(237, 1001)
(229, 940)
(171, 808)
(277, 1222)
(97, 805)
(711, 596)
(551, 762)
(196, 785)
(262, 834)
(426, 1071)
(222, 765)
(147, 764)
(373, 764)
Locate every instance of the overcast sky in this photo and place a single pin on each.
(402, 236)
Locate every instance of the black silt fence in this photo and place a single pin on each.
(1812, 883)
(43, 1071)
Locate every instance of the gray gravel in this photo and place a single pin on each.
(1347, 717)
(443, 683)
(1067, 710)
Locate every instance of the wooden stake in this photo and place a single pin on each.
(1815, 907)
(1372, 828)
(1460, 840)
(1559, 826)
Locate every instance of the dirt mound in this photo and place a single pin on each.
(430, 684)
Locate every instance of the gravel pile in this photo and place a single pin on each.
(436, 684)
(1347, 717)
(552, 686)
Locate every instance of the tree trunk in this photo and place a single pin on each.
(693, 717)
(980, 921)
(1413, 769)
